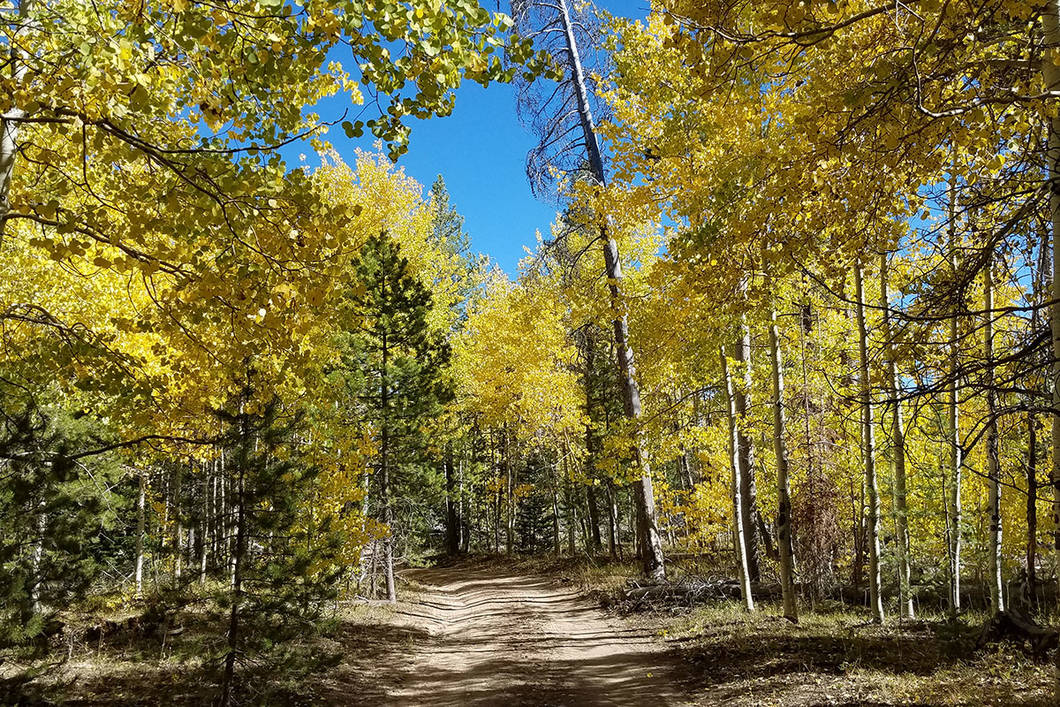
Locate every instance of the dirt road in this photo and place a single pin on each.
(504, 639)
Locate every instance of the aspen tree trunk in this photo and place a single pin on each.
(37, 560)
(737, 471)
(653, 563)
(901, 510)
(509, 496)
(465, 520)
(141, 507)
(495, 468)
(1051, 79)
(204, 523)
(178, 530)
(555, 514)
(216, 512)
(9, 121)
(748, 488)
(993, 471)
(232, 532)
(956, 460)
(868, 451)
(572, 509)
(1032, 505)
(787, 556)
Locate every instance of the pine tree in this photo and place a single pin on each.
(395, 361)
(283, 570)
(53, 507)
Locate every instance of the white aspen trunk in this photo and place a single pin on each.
(178, 530)
(868, 451)
(787, 556)
(734, 455)
(9, 121)
(650, 542)
(509, 497)
(748, 488)
(463, 528)
(204, 524)
(952, 428)
(901, 511)
(555, 513)
(37, 560)
(141, 513)
(993, 471)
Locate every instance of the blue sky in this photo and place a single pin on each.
(480, 150)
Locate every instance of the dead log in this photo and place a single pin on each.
(1014, 625)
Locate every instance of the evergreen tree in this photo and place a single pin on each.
(395, 361)
(283, 568)
(53, 509)
(447, 225)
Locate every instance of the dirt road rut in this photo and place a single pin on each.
(506, 639)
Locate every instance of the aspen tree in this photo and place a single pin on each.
(901, 511)
(868, 451)
(737, 470)
(787, 557)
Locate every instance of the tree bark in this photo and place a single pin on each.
(748, 489)
(9, 121)
(204, 522)
(901, 511)
(737, 486)
(141, 507)
(509, 471)
(993, 471)
(868, 451)
(37, 562)
(787, 556)
(956, 452)
(555, 513)
(1032, 502)
(178, 521)
(648, 529)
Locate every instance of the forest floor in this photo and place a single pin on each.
(526, 633)
(509, 631)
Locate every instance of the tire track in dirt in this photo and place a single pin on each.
(507, 639)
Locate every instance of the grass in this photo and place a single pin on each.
(832, 656)
(135, 667)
